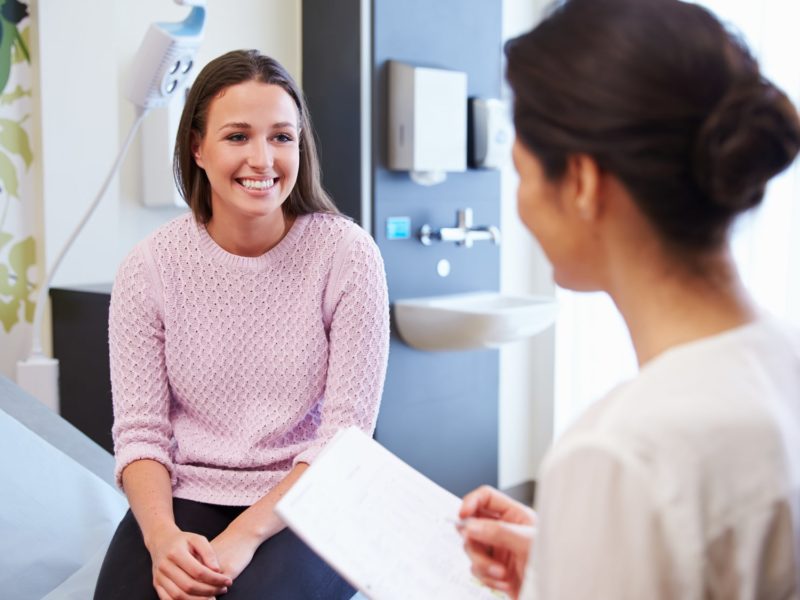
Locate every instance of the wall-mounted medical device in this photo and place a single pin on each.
(162, 70)
(166, 57)
(491, 133)
(427, 121)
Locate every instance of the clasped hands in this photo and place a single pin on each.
(498, 533)
(187, 566)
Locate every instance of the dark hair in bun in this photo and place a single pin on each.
(663, 97)
(750, 136)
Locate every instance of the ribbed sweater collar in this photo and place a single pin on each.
(271, 257)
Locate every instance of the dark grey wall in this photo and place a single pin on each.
(331, 82)
(440, 410)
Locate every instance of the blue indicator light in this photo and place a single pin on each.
(398, 228)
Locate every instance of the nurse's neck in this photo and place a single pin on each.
(666, 304)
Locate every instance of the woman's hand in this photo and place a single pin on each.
(185, 567)
(236, 545)
(234, 551)
(498, 533)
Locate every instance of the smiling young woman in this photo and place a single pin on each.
(243, 336)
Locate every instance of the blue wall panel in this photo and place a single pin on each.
(440, 409)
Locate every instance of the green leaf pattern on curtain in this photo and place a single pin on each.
(15, 289)
(17, 248)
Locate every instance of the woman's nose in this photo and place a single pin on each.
(261, 154)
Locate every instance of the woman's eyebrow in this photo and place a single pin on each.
(243, 125)
(235, 125)
(284, 124)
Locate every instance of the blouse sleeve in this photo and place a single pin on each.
(358, 343)
(600, 532)
(139, 384)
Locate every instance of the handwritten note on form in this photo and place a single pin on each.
(385, 527)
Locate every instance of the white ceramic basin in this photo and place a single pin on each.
(473, 320)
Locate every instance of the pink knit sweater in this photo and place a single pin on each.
(228, 370)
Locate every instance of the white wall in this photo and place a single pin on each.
(526, 368)
(86, 50)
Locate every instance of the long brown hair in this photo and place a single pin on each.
(240, 66)
(662, 96)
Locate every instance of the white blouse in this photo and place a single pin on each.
(683, 483)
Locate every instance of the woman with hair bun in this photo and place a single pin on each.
(644, 129)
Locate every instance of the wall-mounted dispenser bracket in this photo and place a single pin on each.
(463, 234)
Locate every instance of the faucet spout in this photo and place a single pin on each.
(464, 234)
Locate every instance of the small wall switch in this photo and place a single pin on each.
(398, 228)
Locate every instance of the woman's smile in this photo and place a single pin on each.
(256, 184)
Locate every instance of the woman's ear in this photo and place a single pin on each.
(196, 153)
(585, 176)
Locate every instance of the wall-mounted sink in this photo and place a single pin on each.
(471, 320)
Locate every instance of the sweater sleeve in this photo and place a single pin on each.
(139, 384)
(358, 343)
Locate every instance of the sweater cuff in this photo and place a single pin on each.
(133, 452)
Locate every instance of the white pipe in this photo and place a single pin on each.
(38, 374)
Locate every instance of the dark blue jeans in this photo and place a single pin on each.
(283, 567)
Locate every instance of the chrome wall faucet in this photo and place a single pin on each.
(464, 234)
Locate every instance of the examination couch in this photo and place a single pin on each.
(59, 506)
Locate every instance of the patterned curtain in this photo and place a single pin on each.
(18, 191)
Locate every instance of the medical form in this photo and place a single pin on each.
(385, 527)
